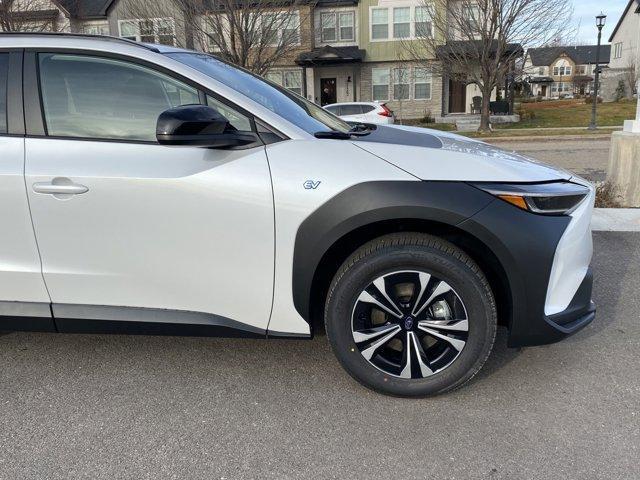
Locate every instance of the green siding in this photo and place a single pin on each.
(380, 51)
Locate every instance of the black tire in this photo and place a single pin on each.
(412, 252)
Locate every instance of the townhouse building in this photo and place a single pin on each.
(625, 53)
(555, 72)
(348, 50)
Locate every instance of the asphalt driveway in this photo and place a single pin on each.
(98, 406)
(587, 157)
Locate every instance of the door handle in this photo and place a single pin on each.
(60, 186)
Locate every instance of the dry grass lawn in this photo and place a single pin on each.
(573, 113)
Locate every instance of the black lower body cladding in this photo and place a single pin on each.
(523, 243)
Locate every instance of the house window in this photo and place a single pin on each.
(380, 82)
(337, 27)
(215, 32)
(401, 83)
(290, 33)
(346, 21)
(290, 79)
(293, 81)
(423, 22)
(96, 28)
(421, 84)
(402, 22)
(282, 28)
(562, 71)
(617, 50)
(541, 71)
(561, 87)
(379, 23)
(471, 15)
(150, 30)
(328, 21)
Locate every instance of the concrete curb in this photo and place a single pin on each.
(616, 220)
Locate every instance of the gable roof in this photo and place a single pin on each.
(581, 54)
(86, 8)
(636, 4)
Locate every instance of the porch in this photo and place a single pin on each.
(332, 74)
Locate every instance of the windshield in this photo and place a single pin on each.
(298, 110)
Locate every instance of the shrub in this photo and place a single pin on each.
(428, 117)
(607, 195)
(525, 113)
(590, 99)
(621, 91)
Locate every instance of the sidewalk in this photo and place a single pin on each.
(616, 220)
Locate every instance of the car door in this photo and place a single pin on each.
(24, 302)
(134, 232)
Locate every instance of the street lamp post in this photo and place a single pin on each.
(600, 19)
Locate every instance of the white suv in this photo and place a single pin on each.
(362, 112)
(148, 189)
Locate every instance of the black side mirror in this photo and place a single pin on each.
(198, 126)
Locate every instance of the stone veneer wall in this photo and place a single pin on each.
(407, 109)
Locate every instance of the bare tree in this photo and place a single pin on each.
(29, 16)
(254, 34)
(478, 41)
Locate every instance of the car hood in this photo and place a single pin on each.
(435, 155)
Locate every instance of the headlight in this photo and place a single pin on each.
(556, 198)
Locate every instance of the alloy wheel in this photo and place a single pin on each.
(409, 324)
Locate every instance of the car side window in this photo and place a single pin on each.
(4, 72)
(351, 110)
(334, 109)
(368, 108)
(236, 119)
(103, 98)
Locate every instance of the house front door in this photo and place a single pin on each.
(544, 90)
(457, 96)
(327, 91)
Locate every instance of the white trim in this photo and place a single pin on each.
(412, 83)
(336, 14)
(156, 35)
(291, 15)
(390, 21)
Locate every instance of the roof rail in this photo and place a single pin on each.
(83, 35)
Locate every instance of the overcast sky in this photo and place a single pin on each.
(584, 16)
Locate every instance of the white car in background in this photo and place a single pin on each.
(365, 112)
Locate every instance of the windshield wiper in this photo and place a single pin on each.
(335, 134)
(358, 130)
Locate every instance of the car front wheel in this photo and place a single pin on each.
(410, 314)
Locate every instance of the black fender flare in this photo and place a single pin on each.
(449, 203)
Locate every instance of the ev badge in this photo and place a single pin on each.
(311, 185)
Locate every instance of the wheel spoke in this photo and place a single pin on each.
(441, 289)
(455, 343)
(457, 325)
(406, 371)
(360, 336)
(368, 298)
(424, 281)
(382, 288)
(368, 352)
(424, 368)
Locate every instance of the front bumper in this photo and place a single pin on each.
(580, 313)
(546, 263)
